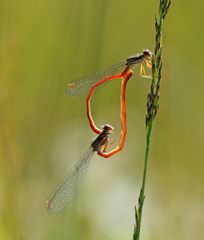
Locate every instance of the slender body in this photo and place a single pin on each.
(125, 76)
(72, 181)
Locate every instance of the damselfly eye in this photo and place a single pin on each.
(147, 53)
(107, 127)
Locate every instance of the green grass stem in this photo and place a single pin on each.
(152, 107)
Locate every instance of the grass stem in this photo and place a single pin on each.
(152, 107)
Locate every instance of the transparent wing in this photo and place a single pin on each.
(83, 85)
(69, 187)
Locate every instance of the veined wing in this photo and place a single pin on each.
(83, 85)
(71, 184)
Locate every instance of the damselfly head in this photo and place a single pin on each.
(147, 54)
(107, 128)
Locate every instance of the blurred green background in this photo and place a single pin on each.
(44, 45)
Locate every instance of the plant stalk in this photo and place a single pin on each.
(152, 107)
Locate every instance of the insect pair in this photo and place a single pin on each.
(68, 188)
